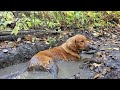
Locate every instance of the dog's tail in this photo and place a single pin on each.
(14, 75)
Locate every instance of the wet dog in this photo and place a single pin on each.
(46, 60)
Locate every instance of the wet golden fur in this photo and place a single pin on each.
(67, 51)
(44, 60)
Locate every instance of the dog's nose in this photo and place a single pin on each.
(89, 47)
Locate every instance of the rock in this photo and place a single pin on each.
(5, 50)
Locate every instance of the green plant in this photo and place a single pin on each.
(51, 40)
(52, 19)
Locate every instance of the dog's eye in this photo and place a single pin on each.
(82, 41)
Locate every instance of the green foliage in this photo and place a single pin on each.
(53, 19)
(51, 40)
(15, 30)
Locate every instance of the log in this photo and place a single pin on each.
(6, 36)
(22, 53)
(30, 31)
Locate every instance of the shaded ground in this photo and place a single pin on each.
(103, 64)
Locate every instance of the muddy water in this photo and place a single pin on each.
(66, 70)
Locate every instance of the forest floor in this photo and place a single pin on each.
(101, 64)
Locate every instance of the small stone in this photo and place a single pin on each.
(105, 44)
(5, 50)
(102, 49)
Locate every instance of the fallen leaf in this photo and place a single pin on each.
(28, 42)
(109, 48)
(114, 36)
(104, 71)
(116, 49)
(96, 65)
(91, 67)
(28, 38)
(96, 34)
(108, 69)
(33, 39)
(46, 42)
(117, 42)
(65, 32)
(118, 25)
(105, 44)
(102, 49)
(98, 54)
(3, 44)
(10, 44)
(19, 40)
(99, 75)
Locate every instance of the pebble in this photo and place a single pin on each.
(5, 50)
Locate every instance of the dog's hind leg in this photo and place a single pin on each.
(53, 70)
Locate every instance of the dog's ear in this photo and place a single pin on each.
(71, 44)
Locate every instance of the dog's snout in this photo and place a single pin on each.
(87, 46)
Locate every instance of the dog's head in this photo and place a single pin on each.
(78, 42)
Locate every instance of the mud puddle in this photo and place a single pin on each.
(67, 69)
(106, 65)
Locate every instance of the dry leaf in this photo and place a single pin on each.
(116, 49)
(46, 42)
(65, 32)
(98, 76)
(28, 42)
(96, 65)
(91, 67)
(19, 40)
(28, 38)
(96, 34)
(33, 39)
(10, 44)
(98, 54)
(109, 48)
(3, 44)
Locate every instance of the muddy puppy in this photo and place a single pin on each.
(45, 60)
